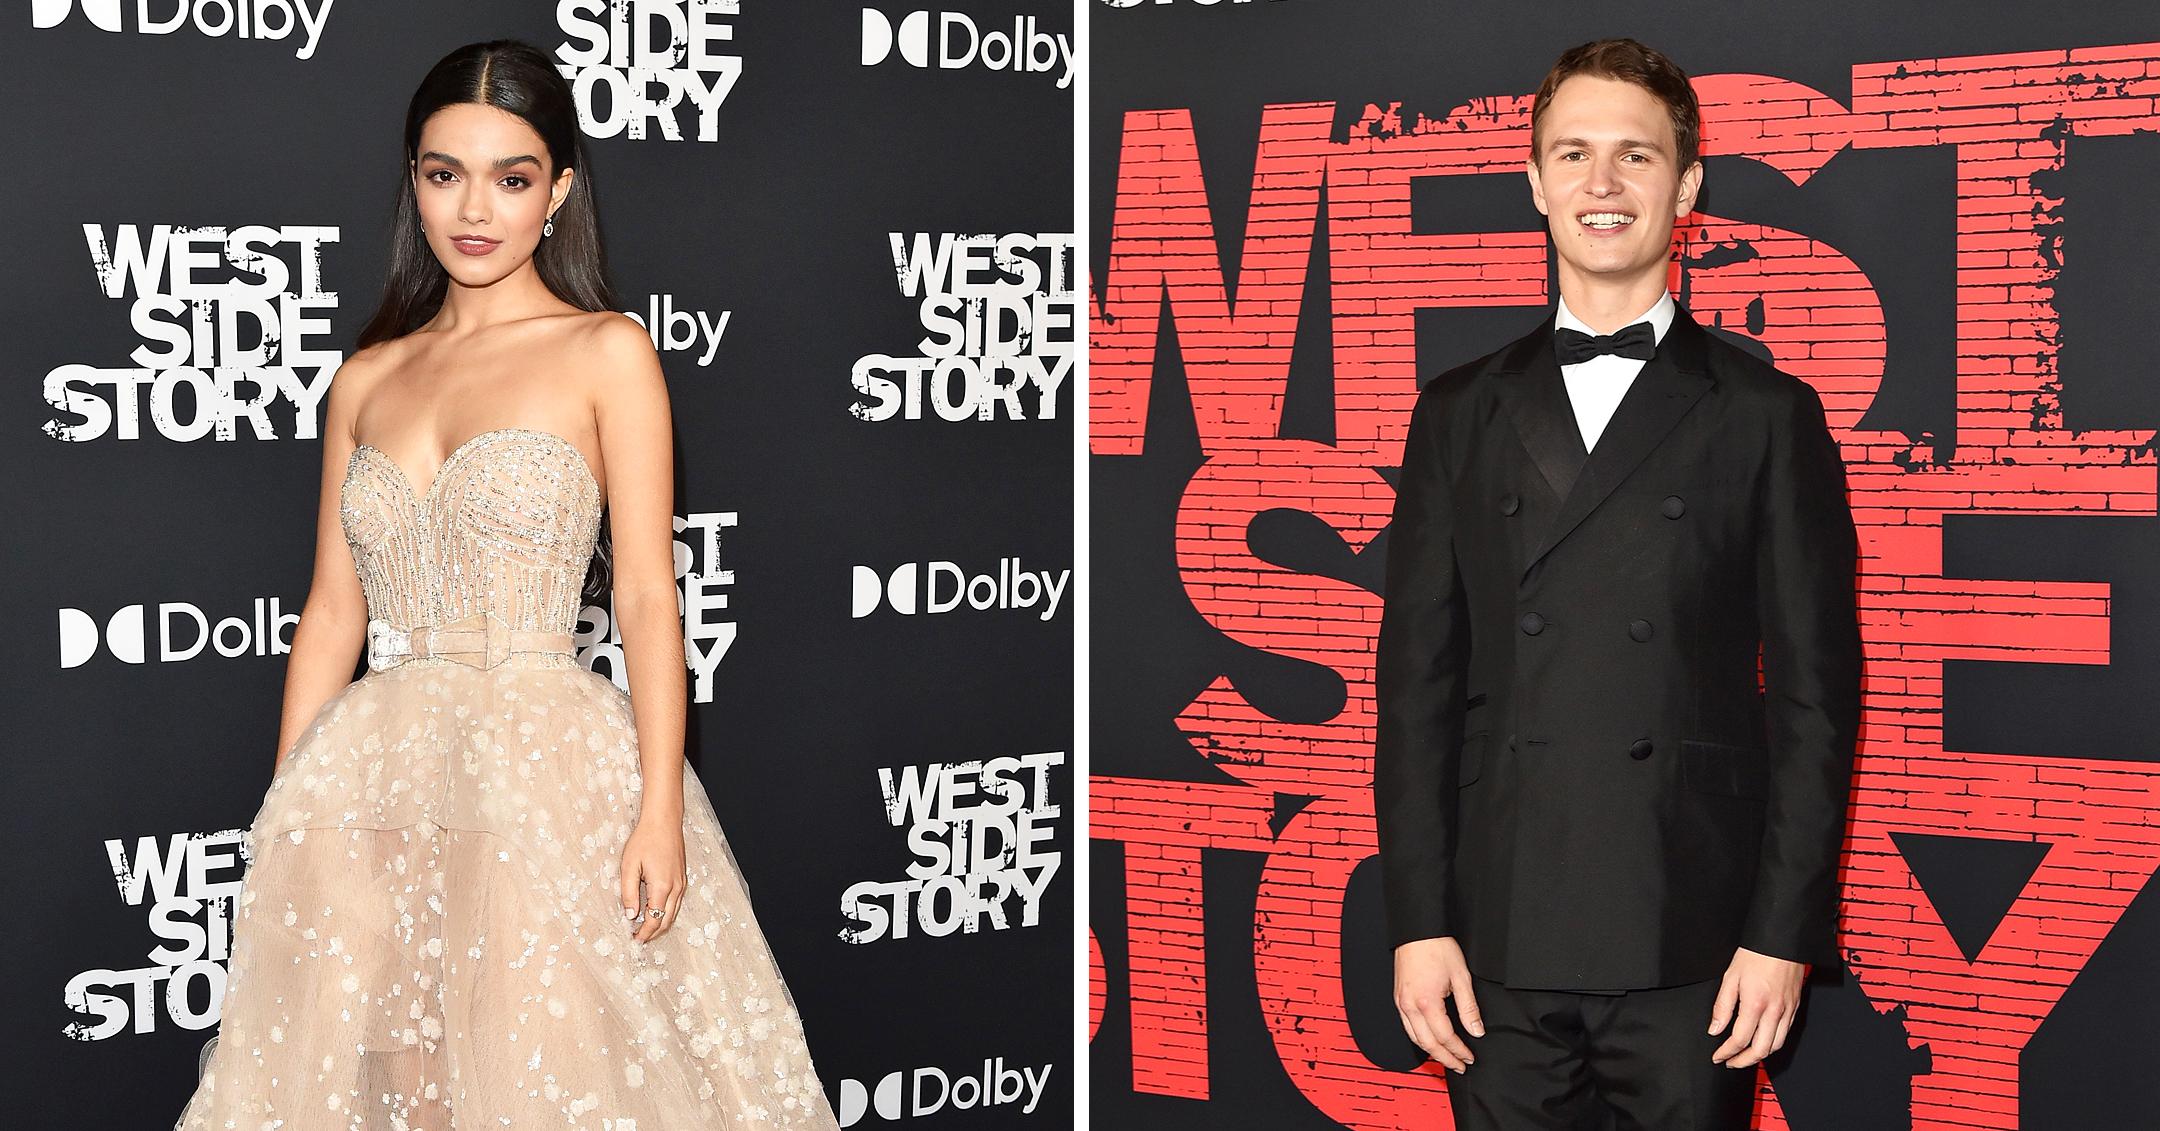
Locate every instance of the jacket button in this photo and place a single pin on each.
(1639, 749)
(1511, 743)
(1640, 631)
(1510, 503)
(1533, 623)
(1673, 507)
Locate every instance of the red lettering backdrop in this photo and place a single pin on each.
(1979, 879)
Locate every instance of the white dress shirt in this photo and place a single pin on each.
(1595, 386)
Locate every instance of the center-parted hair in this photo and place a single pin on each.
(516, 78)
(1625, 60)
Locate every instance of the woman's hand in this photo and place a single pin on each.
(653, 854)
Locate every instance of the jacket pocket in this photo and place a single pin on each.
(1472, 762)
(1717, 767)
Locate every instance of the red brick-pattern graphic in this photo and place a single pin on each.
(1098, 985)
(2008, 119)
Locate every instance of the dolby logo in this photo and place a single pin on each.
(941, 587)
(181, 632)
(963, 43)
(241, 19)
(926, 1091)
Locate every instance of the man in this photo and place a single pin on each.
(1601, 841)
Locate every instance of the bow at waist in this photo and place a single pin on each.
(481, 640)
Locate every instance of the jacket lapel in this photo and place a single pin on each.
(1538, 406)
(1660, 395)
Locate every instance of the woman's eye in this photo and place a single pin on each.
(521, 181)
(434, 172)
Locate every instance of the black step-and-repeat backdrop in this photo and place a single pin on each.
(848, 231)
(1940, 215)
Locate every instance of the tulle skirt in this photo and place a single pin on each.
(430, 934)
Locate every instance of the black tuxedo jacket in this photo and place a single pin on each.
(1577, 773)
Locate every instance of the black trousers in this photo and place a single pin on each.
(1564, 1061)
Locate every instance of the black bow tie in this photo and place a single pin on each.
(1638, 341)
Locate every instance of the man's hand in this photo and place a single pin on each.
(1766, 991)
(1427, 973)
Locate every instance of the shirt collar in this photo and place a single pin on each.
(1660, 317)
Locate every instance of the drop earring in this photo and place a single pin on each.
(548, 229)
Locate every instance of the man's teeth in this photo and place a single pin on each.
(1607, 219)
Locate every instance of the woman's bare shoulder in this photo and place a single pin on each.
(602, 348)
(612, 335)
(357, 376)
(372, 362)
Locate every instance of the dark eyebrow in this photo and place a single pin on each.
(501, 163)
(1624, 143)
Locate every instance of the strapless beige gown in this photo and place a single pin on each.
(430, 935)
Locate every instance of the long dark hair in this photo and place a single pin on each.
(516, 78)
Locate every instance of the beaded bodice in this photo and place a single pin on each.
(507, 526)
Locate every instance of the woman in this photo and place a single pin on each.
(479, 895)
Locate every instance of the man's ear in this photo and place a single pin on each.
(1537, 187)
(1690, 189)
